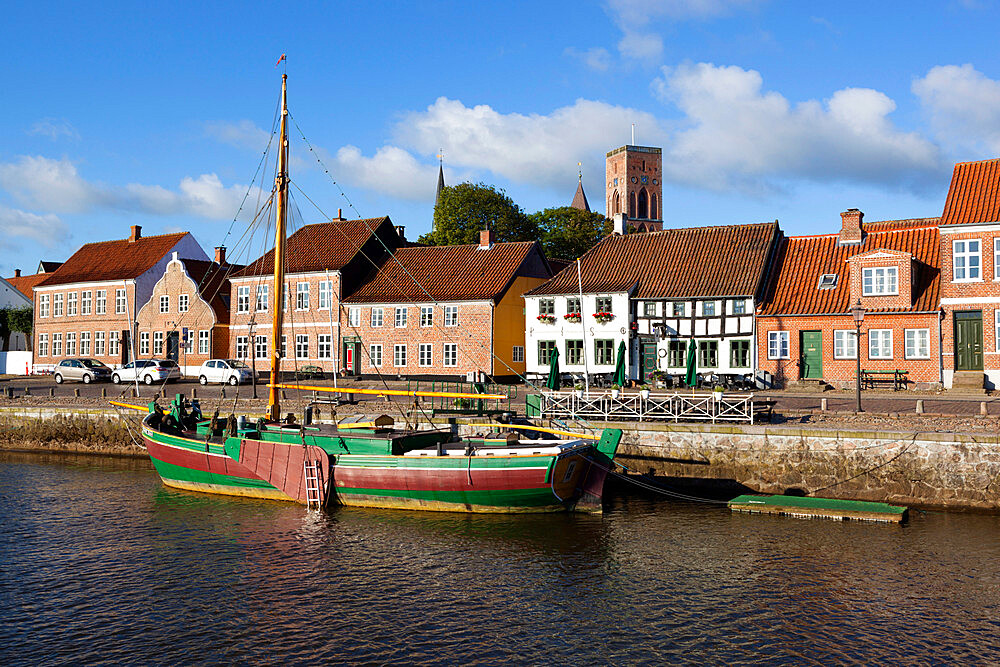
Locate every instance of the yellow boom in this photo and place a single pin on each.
(129, 405)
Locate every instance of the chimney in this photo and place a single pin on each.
(340, 215)
(620, 224)
(401, 230)
(851, 232)
(486, 239)
(17, 273)
(136, 234)
(220, 254)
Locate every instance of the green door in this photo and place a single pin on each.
(969, 340)
(811, 354)
(648, 359)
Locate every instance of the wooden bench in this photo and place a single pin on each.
(764, 407)
(870, 379)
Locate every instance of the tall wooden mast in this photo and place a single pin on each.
(277, 306)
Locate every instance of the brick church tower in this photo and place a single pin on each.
(635, 187)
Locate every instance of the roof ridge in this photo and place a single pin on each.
(687, 229)
(141, 238)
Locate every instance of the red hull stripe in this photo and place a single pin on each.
(439, 479)
(201, 461)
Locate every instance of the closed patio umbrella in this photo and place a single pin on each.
(691, 378)
(619, 378)
(553, 381)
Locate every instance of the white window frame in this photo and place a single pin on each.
(43, 345)
(99, 346)
(114, 343)
(43, 305)
(301, 297)
(158, 343)
(375, 354)
(377, 317)
(913, 343)
(57, 305)
(880, 341)
(400, 317)
(425, 355)
(164, 303)
(262, 303)
(143, 343)
(71, 301)
(86, 300)
(399, 355)
(963, 273)
(57, 345)
(203, 341)
(996, 259)
(880, 281)
(101, 302)
(354, 317)
(777, 345)
(84, 343)
(242, 347)
(324, 346)
(845, 344)
(121, 301)
(325, 294)
(183, 303)
(71, 344)
(451, 316)
(242, 298)
(426, 316)
(302, 346)
(449, 355)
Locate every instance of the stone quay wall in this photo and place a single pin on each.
(923, 469)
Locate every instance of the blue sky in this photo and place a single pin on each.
(157, 113)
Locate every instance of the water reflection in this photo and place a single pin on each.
(101, 563)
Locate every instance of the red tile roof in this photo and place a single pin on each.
(974, 195)
(113, 260)
(25, 284)
(676, 263)
(803, 259)
(324, 246)
(447, 273)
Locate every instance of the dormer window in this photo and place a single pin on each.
(880, 281)
(827, 281)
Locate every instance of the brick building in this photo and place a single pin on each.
(804, 328)
(657, 291)
(323, 262)
(444, 311)
(87, 306)
(187, 315)
(635, 186)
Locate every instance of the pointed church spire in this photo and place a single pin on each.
(580, 198)
(437, 197)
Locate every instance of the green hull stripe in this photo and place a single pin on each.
(181, 474)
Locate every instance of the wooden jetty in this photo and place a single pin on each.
(827, 508)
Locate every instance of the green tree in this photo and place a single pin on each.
(15, 320)
(567, 232)
(466, 209)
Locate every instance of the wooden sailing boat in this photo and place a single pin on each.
(374, 465)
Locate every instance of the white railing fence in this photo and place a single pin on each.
(654, 407)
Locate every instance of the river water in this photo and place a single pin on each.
(101, 564)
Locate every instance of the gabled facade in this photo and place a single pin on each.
(656, 292)
(87, 307)
(12, 297)
(805, 329)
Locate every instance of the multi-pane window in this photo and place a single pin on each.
(517, 354)
(425, 356)
(85, 343)
(43, 305)
(86, 298)
(678, 308)
(302, 346)
(399, 355)
(325, 294)
(777, 344)
(183, 303)
(845, 344)
(573, 304)
(114, 343)
(324, 346)
(144, 343)
(98, 343)
(101, 304)
(188, 341)
(677, 354)
(450, 354)
(354, 317)
(57, 305)
(965, 260)
(918, 343)
(71, 304)
(158, 343)
(243, 299)
(57, 345)
(708, 353)
(260, 347)
(739, 306)
(880, 343)
(43, 345)
(451, 316)
(545, 350)
(996, 258)
(604, 352)
(263, 298)
(242, 347)
(574, 352)
(70, 344)
(164, 304)
(426, 316)
(649, 308)
(546, 306)
(604, 304)
(708, 308)
(203, 341)
(400, 317)
(375, 352)
(739, 354)
(284, 347)
(120, 305)
(880, 280)
(302, 296)
(377, 317)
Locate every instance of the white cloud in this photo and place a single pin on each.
(736, 134)
(597, 58)
(634, 17)
(391, 171)
(56, 185)
(53, 128)
(964, 106)
(241, 134)
(48, 229)
(641, 45)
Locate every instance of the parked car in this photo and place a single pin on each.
(231, 371)
(148, 370)
(84, 370)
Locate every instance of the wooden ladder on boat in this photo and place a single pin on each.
(314, 484)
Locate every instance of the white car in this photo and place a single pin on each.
(230, 371)
(147, 370)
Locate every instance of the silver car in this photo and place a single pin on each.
(83, 370)
(230, 371)
(147, 370)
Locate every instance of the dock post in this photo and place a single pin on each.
(822, 405)
(194, 392)
(223, 392)
(52, 392)
(920, 406)
(104, 392)
(982, 409)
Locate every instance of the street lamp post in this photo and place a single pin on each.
(858, 313)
